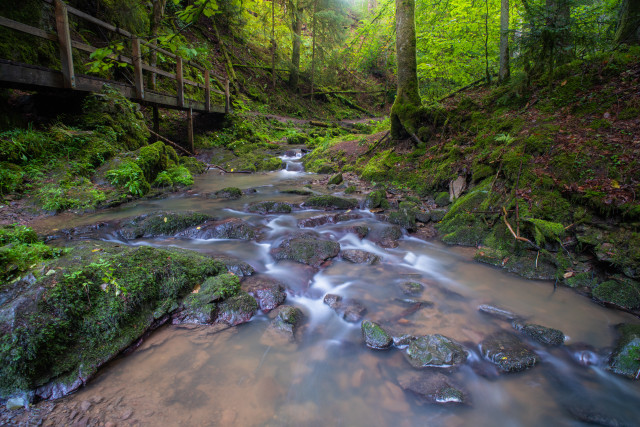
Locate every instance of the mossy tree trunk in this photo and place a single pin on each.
(629, 24)
(504, 42)
(406, 106)
(296, 27)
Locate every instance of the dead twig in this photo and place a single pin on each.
(522, 239)
(377, 143)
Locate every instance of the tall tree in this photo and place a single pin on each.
(629, 24)
(505, 70)
(157, 13)
(297, 9)
(407, 103)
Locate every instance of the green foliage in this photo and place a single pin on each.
(624, 293)
(544, 230)
(20, 250)
(129, 175)
(10, 177)
(71, 193)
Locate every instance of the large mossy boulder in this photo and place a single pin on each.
(435, 350)
(306, 249)
(155, 158)
(329, 202)
(159, 224)
(625, 359)
(98, 299)
(375, 337)
(508, 352)
(405, 216)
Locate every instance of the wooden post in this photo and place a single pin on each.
(156, 121)
(227, 100)
(137, 67)
(64, 39)
(179, 79)
(207, 92)
(190, 129)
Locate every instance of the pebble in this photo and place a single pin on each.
(85, 405)
(126, 414)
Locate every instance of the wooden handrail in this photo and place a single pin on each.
(65, 44)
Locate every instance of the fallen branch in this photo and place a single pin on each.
(173, 144)
(226, 171)
(347, 92)
(522, 239)
(378, 142)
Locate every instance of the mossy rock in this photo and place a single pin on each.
(306, 249)
(375, 199)
(623, 293)
(195, 166)
(375, 337)
(336, 179)
(330, 202)
(101, 298)
(229, 193)
(442, 199)
(155, 158)
(579, 280)
(435, 350)
(287, 319)
(542, 334)
(237, 309)
(269, 207)
(109, 109)
(326, 168)
(161, 224)
(625, 360)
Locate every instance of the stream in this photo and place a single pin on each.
(201, 375)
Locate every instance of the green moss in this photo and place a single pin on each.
(624, 293)
(110, 109)
(96, 304)
(10, 177)
(374, 336)
(331, 202)
(269, 207)
(335, 180)
(155, 158)
(129, 176)
(381, 167)
(161, 224)
(229, 193)
(350, 189)
(195, 166)
(76, 193)
(584, 279)
(375, 199)
(442, 199)
(625, 360)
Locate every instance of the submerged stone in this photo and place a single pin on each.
(625, 359)
(357, 256)
(508, 352)
(497, 312)
(435, 350)
(306, 249)
(375, 337)
(230, 228)
(434, 387)
(350, 310)
(411, 288)
(542, 334)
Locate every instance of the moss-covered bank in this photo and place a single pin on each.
(84, 308)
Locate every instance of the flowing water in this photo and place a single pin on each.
(200, 375)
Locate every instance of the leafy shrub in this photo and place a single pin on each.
(128, 175)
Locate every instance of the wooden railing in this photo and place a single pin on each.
(67, 78)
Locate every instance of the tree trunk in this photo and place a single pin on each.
(405, 109)
(273, 43)
(629, 24)
(313, 49)
(296, 27)
(486, 42)
(156, 19)
(505, 71)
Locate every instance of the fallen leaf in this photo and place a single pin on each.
(165, 219)
(568, 274)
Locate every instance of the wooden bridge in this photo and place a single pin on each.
(188, 94)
